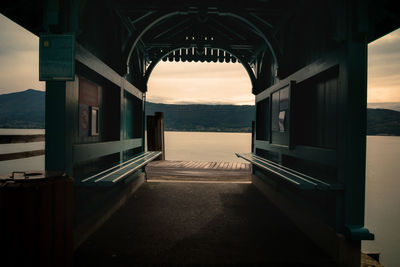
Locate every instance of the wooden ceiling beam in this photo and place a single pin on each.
(170, 28)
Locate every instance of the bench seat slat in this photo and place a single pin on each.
(119, 172)
(105, 172)
(300, 175)
(301, 184)
(293, 177)
(285, 173)
(132, 164)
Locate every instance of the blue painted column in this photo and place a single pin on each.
(55, 126)
(352, 120)
(60, 124)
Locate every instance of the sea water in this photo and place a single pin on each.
(26, 164)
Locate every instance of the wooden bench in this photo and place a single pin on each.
(119, 172)
(294, 178)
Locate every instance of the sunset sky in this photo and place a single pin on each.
(171, 82)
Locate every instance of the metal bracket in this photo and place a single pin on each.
(13, 176)
(358, 232)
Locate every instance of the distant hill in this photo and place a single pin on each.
(22, 109)
(211, 118)
(385, 105)
(230, 118)
(383, 122)
(26, 110)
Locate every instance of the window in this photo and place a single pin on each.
(280, 116)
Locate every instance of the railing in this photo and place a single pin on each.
(14, 139)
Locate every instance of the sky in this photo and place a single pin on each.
(19, 58)
(384, 69)
(185, 83)
(189, 82)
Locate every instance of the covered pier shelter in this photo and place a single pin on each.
(307, 63)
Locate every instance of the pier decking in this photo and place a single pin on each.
(216, 217)
(200, 224)
(198, 171)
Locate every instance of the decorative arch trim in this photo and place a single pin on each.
(273, 49)
(152, 65)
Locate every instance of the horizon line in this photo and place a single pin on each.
(189, 103)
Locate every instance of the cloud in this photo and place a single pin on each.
(19, 58)
(384, 69)
(15, 38)
(194, 83)
(170, 70)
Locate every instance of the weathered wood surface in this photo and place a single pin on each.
(368, 261)
(198, 171)
(21, 155)
(155, 134)
(10, 139)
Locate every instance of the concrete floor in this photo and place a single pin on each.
(182, 224)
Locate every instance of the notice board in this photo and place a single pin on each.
(56, 57)
(88, 104)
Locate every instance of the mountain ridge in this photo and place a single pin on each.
(23, 109)
(179, 117)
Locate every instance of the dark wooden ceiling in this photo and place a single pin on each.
(193, 28)
(208, 30)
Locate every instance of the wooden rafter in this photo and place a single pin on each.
(170, 28)
(136, 20)
(235, 33)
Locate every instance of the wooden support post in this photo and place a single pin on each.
(155, 134)
(253, 125)
(61, 125)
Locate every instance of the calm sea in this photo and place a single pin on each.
(382, 214)
(382, 201)
(33, 163)
(204, 146)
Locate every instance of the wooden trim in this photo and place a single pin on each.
(321, 155)
(305, 73)
(21, 155)
(92, 62)
(11, 139)
(84, 152)
(131, 89)
(131, 143)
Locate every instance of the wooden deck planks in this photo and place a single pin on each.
(198, 171)
(201, 165)
(189, 164)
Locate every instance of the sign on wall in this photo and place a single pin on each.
(83, 120)
(88, 93)
(56, 57)
(88, 108)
